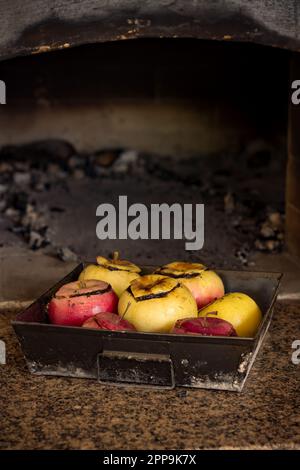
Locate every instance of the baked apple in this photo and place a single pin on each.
(118, 273)
(108, 321)
(77, 301)
(205, 326)
(153, 303)
(238, 309)
(204, 284)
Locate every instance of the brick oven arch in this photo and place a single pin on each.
(41, 26)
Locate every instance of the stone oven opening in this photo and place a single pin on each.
(160, 120)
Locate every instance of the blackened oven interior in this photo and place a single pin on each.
(157, 120)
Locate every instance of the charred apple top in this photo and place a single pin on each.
(80, 288)
(152, 286)
(116, 264)
(179, 269)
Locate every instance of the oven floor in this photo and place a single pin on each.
(239, 192)
(63, 413)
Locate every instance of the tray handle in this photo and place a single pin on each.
(138, 369)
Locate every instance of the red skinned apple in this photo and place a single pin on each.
(204, 284)
(205, 326)
(108, 321)
(76, 302)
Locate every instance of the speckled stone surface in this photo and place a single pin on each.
(62, 413)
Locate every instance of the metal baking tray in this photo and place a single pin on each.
(146, 359)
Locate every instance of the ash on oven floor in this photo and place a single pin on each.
(49, 195)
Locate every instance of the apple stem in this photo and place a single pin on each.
(125, 311)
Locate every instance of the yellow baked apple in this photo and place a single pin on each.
(118, 273)
(238, 309)
(204, 284)
(153, 303)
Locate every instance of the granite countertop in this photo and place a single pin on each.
(62, 413)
